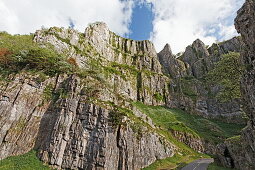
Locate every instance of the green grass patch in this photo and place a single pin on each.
(158, 97)
(28, 161)
(174, 162)
(214, 166)
(178, 120)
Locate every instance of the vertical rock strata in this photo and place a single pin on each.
(76, 123)
(188, 87)
(243, 150)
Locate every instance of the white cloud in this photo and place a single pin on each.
(180, 22)
(177, 22)
(226, 32)
(25, 16)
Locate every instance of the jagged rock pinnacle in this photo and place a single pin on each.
(167, 49)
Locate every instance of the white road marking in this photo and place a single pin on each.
(196, 166)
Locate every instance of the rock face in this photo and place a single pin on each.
(20, 115)
(243, 156)
(79, 135)
(90, 122)
(87, 123)
(98, 49)
(188, 88)
(172, 66)
(192, 141)
(70, 132)
(196, 56)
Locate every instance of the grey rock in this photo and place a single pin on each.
(172, 66)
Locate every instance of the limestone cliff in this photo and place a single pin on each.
(83, 116)
(189, 87)
(242, 149)
(88, 122)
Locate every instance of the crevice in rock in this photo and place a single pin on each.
(229, 158)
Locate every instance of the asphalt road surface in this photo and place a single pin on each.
(200, 164)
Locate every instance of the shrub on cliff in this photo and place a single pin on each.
(227, 73)
(19, 52)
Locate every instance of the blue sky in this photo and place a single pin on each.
(141, 24)
(177, 22)
(180, 22)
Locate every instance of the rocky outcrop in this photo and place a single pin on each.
(243, 156)
(170, 64)
(21, 112)
(196, 56)
(80, 135)
(194, 142)
(189, 87)
(69, 131)
(133, 68)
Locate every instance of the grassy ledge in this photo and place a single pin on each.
(28, 161)
(174, 119)
(178, 120)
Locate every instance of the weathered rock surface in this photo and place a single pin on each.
(172, 66)
(73, 122)
(70, 132)
(99, 49)
(196, 56)
(79, 135)
(242, 152)
(76, 123)
(192, 141)
(21, 112)
(189, 90)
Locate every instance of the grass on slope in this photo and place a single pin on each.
(28, 161)
(178, 120)
(214, 166)
(161, 118)
(177, 161)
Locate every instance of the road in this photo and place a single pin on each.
(200, 164)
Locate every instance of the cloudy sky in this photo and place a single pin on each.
(177, 22)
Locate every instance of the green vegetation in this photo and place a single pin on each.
(227, 73)
(187, 84)
(169, 120)
(178, 120)
(158, 97)
(235, 142)
(48, 92)
(19, 52)
(28, 161)
(214, 166)
(116, 117)
(166, 121)
(177, 161)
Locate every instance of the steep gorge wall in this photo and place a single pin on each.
(189, 88)
(87, 122)
(90, 122)
(242, 149)
(239, 152)
(69, 131)
(133, 68)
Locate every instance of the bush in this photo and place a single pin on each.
(158, 97)
(4, 56)
(19, 52)
(227, 73)
(116, 117)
